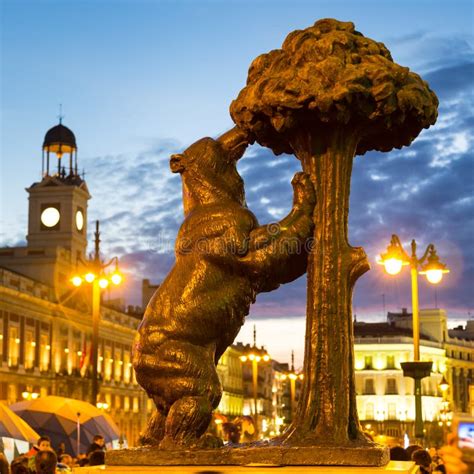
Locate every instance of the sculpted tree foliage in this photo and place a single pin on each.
(327, 95)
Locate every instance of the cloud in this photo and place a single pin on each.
(424, 192)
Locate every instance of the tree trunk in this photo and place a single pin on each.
(327, 411)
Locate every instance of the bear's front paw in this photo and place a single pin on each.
(303, 190)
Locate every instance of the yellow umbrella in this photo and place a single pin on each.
(12, 426)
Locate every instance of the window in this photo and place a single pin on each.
(127, 367)
(369, 388)
(369, 411)
(30, 348)
(45, 351)
(107, 363)
(392, 411)
(390, 362)
(368, 362)
(13, 346)
(391, 387)
(118, 365)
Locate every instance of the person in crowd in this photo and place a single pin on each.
(97, 458)
(397, 453)
(65, 463)
(411, 449)
(44, 444)
(46, 462)
(82, 460)
(20, 465)
(4, 468)
(61, 449)
(66, 459)
(452, 457)
(98, 444)
(423, 459)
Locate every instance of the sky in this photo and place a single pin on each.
(140, 80)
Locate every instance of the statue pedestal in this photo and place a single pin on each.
(393, 467)
(269, 456)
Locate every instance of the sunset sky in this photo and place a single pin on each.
(140, 80)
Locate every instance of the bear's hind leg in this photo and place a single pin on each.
(155, 429)
(186, 422)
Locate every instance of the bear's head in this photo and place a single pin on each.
(208, 170)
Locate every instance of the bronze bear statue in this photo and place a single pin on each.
(223, 260)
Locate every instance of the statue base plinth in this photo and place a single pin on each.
(393, 467)
(251, 455)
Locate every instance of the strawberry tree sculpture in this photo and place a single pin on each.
(327, 95)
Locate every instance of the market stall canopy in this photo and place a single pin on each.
(12, 426)
(59, 418)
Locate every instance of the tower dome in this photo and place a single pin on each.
(60, 140)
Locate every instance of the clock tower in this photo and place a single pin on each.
(57, 214)
(57, 217)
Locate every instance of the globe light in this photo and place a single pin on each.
(266, 357)
(258, 358)
(116, 278)
(251, 356)
(393, 266)
(89, 277)
(394, 258)
(103, 283)
(434, 269)
(434, 276)
(293, 376)
(76, 280)
(444, 385)
(25, 395)
(34, 395)
(243, 358)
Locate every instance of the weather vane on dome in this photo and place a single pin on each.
(60, 116)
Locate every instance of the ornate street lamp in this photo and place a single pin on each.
(445, 415)
(393, 260)
(255, 357)
(95, 275)
(293, 376)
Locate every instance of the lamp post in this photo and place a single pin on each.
(445, 414)
(255, 357)
(293, 376)
(393, 261)
(96, 277)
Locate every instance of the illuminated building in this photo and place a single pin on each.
(45, 323)
(385, 398)
(229, 370)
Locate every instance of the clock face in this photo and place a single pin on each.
(50, 217)
(79, 220)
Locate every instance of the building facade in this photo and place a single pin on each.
(385, 398)
(46, 323)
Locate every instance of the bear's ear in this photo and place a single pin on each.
(176, 163)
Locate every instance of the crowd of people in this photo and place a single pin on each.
(446, 460)
(43, 459)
